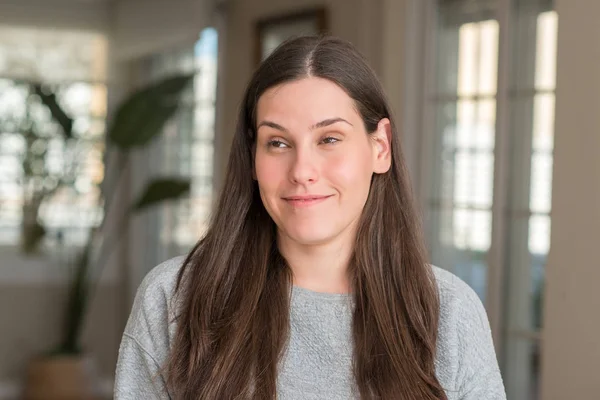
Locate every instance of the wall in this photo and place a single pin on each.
(404, 36)
(87, 15)
(31, 316)
(571, 355)
(141, 27)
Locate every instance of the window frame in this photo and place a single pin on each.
(422, 25)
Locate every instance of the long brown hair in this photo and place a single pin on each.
(234, 289)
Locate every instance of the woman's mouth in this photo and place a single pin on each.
(306, 200)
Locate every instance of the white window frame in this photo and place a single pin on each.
(425, 123)
(419, 122)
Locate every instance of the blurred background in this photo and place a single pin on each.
(115, 123)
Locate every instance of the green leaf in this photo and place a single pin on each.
(142, 116)
(161, 190)
(57, 112)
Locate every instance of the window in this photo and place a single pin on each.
(72, 65)
(488, 199)
(531, 99)
(465, 105)
(185, 149)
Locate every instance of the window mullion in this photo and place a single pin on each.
(497, 253)
(428, 155)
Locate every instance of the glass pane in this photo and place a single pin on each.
(538, 272)
(465, 123)
(468, 49)
(473, 271)
(539, 234)
(12, 144)
(483, 178)
(204, 122)
(462, 178)
(457, 248)
(12, 102)
(83, 98)
(545, 65)
(472, 229)
(473, 178)
(52, 55)
(524, 298)
(46, 162)
(541, 182)
(478, 58)
(444, 158)
(543, 122)
(486, 125)
(64, 172)
(447, 60)
(488, 57)
(202, 158)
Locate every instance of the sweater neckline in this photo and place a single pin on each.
(307, 294)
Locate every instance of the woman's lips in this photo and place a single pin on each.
(305, 201)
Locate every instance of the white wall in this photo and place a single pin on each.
(571, 348)
(141, 27)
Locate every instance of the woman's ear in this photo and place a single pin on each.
(382, 146)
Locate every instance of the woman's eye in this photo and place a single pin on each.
(330, 140)
(278, 144)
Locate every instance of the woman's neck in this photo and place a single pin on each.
(319, 267)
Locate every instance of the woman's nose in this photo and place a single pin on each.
(304, 167)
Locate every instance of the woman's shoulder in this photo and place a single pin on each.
(153, 308)
(149, 332)
(466, 362)
(462, 314)
(456, 295)
(162, 278)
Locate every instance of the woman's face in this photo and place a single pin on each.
(314, 159)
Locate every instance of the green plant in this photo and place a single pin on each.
(138, 120)
(38, 182)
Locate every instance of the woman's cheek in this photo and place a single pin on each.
(347, 169)
(268, 172)
(273, 182)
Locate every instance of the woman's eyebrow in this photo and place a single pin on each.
(320, 124)
(271, 124)
(329, 121)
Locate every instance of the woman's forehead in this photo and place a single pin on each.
(309, 100)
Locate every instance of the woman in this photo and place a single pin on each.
(312, 281)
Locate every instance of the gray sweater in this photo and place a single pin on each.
(318, 361)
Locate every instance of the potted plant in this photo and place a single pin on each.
(63, 372)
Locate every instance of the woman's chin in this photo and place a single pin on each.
(308, 237)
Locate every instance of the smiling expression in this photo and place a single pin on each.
(314, 159)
